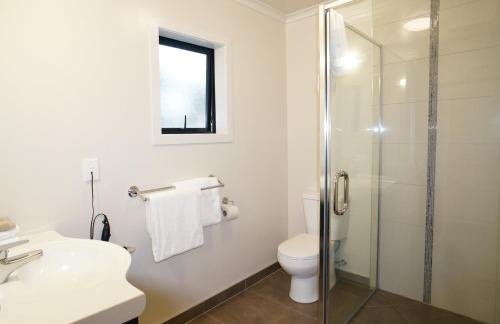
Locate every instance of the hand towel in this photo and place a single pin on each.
(173, 221)
(211, 212)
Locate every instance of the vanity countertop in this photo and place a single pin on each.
(75, 281)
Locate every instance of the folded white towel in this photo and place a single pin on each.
(173, 221)
(211, 212)
(338, 43)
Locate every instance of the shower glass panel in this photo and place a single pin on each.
(351, 127)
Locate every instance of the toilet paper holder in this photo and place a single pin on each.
(226, 201)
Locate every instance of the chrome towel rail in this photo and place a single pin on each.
(135, 192)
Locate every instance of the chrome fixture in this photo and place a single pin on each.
(9, 265)
(338, 175)
(134, 191)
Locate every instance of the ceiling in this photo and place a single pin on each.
(289, 6)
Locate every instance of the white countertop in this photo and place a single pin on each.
(113, 300)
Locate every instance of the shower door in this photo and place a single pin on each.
(350, 141)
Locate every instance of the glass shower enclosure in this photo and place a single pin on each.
(350, 132)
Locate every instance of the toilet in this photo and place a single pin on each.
(299, 255)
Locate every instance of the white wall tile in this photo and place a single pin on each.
(459, 294)
(470, 74)
(464, 204)
(416, 74)
(468, 166)
(471, 25)
(405, 123)
(404, 203)
(405, 163)
(401, 256)
(469, 120)
(464, 268)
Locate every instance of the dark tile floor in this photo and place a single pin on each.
(267, 302)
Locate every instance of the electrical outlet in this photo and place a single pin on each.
(90, 165)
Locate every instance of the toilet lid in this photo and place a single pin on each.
(302, 246)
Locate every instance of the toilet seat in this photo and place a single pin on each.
(301, 247)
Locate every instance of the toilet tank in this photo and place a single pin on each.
(311, 212)
(338, 225)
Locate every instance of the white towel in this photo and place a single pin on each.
(338, 42)
(211, 212)
(173, 221)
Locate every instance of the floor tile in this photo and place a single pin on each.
(249, 308)
(378, 315)
(457, 319)
(343, 305)
(352, 288)
(399, 301)
(423, 314)
(378, 299)
(268, 302)
(204, 319)
(276, 288)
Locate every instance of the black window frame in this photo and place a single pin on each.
(210, 127)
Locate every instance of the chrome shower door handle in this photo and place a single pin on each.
(345, 205)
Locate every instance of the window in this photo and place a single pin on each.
(187, 87)
(191, 86)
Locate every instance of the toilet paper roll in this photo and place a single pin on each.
(229, 211)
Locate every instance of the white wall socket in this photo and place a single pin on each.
(90, 165)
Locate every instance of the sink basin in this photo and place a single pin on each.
(73, 264)
(87, 278)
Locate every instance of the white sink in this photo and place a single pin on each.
(75, 280)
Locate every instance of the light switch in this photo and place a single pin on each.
(90, 165)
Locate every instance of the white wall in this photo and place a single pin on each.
(302, 116)
(75, 83)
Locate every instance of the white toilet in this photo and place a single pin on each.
(299, 255)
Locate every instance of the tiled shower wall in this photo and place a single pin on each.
(404, 151)
(465, 277)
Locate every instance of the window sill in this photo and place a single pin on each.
(177, 139)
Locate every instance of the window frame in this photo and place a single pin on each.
(210, 127)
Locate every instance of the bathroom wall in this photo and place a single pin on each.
(302, 115)
(75, 83)
(465, 275)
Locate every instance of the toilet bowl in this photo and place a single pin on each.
(299, 255)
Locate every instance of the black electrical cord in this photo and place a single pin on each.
(106, 230)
